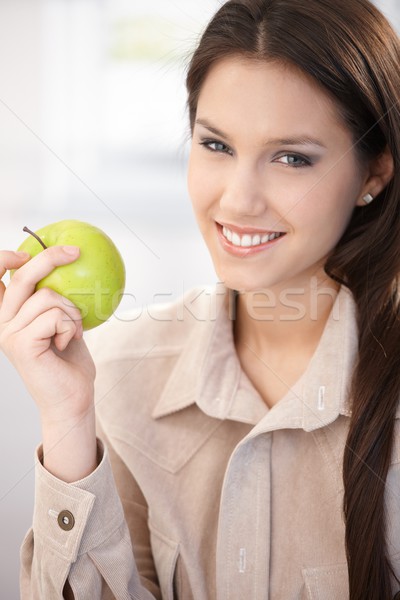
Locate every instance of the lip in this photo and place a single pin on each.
(241, 251)
(247, 230)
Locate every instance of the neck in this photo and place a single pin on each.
(279, 320)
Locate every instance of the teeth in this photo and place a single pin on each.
(247, 241)
(235, 239)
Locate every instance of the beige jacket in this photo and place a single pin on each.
(223, 498)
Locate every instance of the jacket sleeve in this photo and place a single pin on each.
(87, 542)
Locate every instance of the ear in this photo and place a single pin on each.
(379, 173)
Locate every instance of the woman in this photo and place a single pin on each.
(253, 428)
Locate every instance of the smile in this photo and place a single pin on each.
(249, 241)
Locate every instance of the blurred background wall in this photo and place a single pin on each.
(93, 127)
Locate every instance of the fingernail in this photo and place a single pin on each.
(22, 254)
(71, 249)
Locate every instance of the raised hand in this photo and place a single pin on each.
(41, 334)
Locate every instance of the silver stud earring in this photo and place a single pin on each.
(368, 198)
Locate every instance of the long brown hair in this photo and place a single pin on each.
(353, 52)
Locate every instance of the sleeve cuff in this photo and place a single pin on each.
(91, 505)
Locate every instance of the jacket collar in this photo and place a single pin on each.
(207, 367)
(208, 372)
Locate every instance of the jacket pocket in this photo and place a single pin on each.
(327, 583)
(165, 554)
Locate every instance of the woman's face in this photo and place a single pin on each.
(269, 157)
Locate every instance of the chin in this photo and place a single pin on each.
(241, 284)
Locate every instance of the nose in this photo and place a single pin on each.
(244, 191)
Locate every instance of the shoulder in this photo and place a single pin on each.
(164, 327)
(145, 354)
(149, 356)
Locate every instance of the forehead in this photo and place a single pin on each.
(264, 92)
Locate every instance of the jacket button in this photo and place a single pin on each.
(66, 520)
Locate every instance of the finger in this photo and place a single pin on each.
(36, 338)
(23, 283)
(42, 301)
(54, 324)
(66, 331)
(9, 260)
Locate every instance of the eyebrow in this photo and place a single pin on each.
(300, 140)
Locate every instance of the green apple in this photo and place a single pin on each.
(95, 281)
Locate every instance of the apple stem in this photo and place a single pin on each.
(35, 236)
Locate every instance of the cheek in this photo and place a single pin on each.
(193, 186)
(324, 219)
(331, 201)
(201, 186)
(193, 178)
(197, 194)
